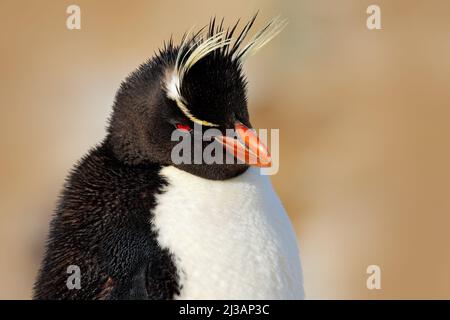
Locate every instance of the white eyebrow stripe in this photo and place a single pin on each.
(202, 48)
(174, 94)
(186, 59)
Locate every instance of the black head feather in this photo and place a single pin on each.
(212, 90)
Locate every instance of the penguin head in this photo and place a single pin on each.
(194, 92)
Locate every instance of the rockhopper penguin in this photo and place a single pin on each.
(140, 226)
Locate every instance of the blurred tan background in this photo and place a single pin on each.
(364, 120)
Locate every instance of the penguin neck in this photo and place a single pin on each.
(125, 152)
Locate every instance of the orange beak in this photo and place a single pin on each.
(247, 148)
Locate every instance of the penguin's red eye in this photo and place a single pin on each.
(183, 127)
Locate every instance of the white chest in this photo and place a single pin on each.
(231, 239)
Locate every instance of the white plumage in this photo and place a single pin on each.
(231, 239)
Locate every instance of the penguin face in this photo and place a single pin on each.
(214, 95)
(193, 87)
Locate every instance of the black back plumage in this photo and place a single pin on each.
(102, 225)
